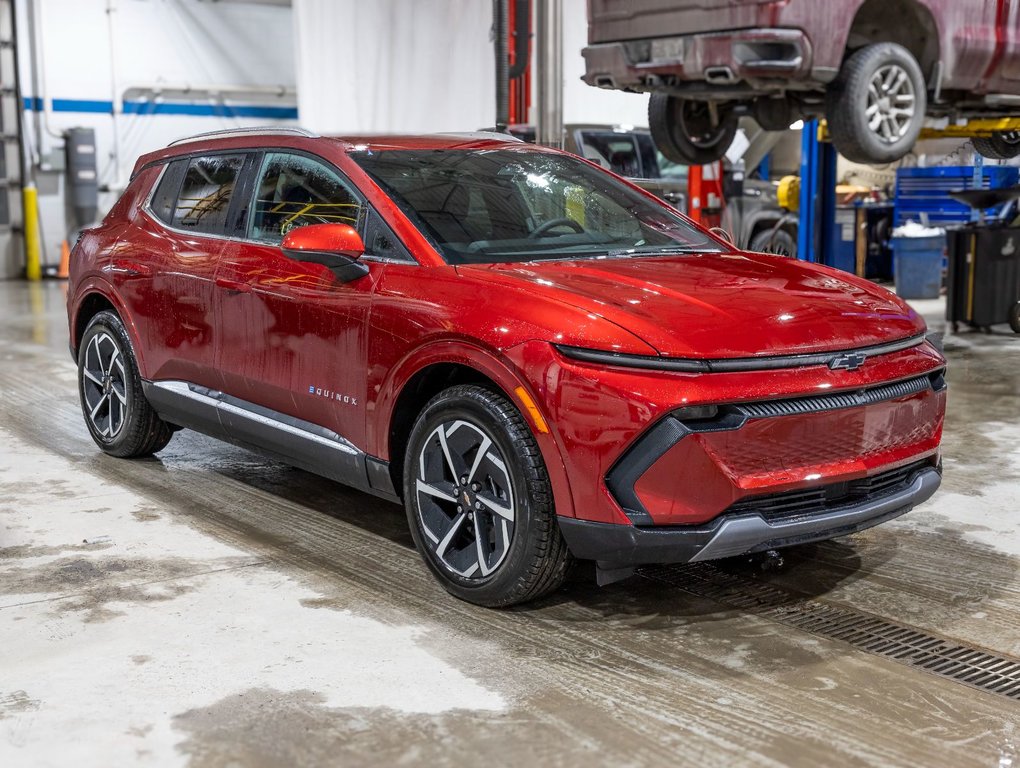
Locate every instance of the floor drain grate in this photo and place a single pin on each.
(908, 645)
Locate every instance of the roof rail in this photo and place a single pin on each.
(491, 134)
(267, 130)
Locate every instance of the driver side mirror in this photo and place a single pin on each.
(335, 246)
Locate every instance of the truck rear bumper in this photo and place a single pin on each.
(736, 59)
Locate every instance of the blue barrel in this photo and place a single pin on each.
(918, 266)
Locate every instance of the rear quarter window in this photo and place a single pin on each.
(165, 196)
(204, 198)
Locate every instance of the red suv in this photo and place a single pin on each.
(539, 359)
(875, 68)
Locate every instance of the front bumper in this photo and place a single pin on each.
(620, 546)
(718, 60)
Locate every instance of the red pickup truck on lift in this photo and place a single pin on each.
(873, 68)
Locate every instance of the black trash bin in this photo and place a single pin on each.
(983, 282)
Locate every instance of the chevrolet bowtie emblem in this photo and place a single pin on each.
(850, 361)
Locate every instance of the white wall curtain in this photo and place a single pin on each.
(394, 65)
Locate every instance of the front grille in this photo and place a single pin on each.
(825, 498)
(814, 404)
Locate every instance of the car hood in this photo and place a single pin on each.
(719, 305)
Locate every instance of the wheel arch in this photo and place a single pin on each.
(92, 297)
(411, 385)
(905, 22)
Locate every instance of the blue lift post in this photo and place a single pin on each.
(817, 195)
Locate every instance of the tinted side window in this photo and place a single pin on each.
(163, 199)
(294, 191)
(617, 149)
(205, 194)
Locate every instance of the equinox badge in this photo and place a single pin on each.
(850, 361)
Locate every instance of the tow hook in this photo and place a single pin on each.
(771, 561)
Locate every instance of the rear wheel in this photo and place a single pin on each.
(876, 105)
(999, 146)
(119, 418)
(478, 500)
(691, 132)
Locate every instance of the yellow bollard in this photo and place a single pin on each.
(33, 253)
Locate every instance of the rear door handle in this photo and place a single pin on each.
(233, 286)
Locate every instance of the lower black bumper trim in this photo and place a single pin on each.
(622, 545)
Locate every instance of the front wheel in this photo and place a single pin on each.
(998, 146)
(478, 499)
(119, 418)
(691, 132)
(876, 105)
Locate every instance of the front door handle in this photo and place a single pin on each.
(233, 286)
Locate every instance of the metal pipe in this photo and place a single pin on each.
(115, 97)
(205, 90)
(44, 86)
(549, 63)
(499, 32)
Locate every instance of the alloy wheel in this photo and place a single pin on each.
(891, 103)
(104, 387)
(465, 502)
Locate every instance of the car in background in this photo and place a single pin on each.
(625, 150)
(873, 68)
(539, 360)
(752, 215)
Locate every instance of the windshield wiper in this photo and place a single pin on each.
(644, 250)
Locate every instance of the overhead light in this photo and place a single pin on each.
(797, 126)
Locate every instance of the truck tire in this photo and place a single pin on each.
(778, 242)
(683, 131)
(876, 104)
(1000, 146)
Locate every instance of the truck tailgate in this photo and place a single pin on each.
(613, 20)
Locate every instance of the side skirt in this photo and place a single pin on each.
(294, 441)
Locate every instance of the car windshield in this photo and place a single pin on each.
(516, 204)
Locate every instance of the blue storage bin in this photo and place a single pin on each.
(917, 266)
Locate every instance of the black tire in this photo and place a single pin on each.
(1000, 146)
(682, 129)
(117, 415)
(863, 135)
(778, 241)
(1014, 317)
(524, 553)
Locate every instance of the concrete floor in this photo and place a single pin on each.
(210, 608)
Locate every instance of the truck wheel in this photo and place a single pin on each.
(479, 502)
(1000, 146)
(779, 242)
(684, 130)
(876, 104)
(1014, 317)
